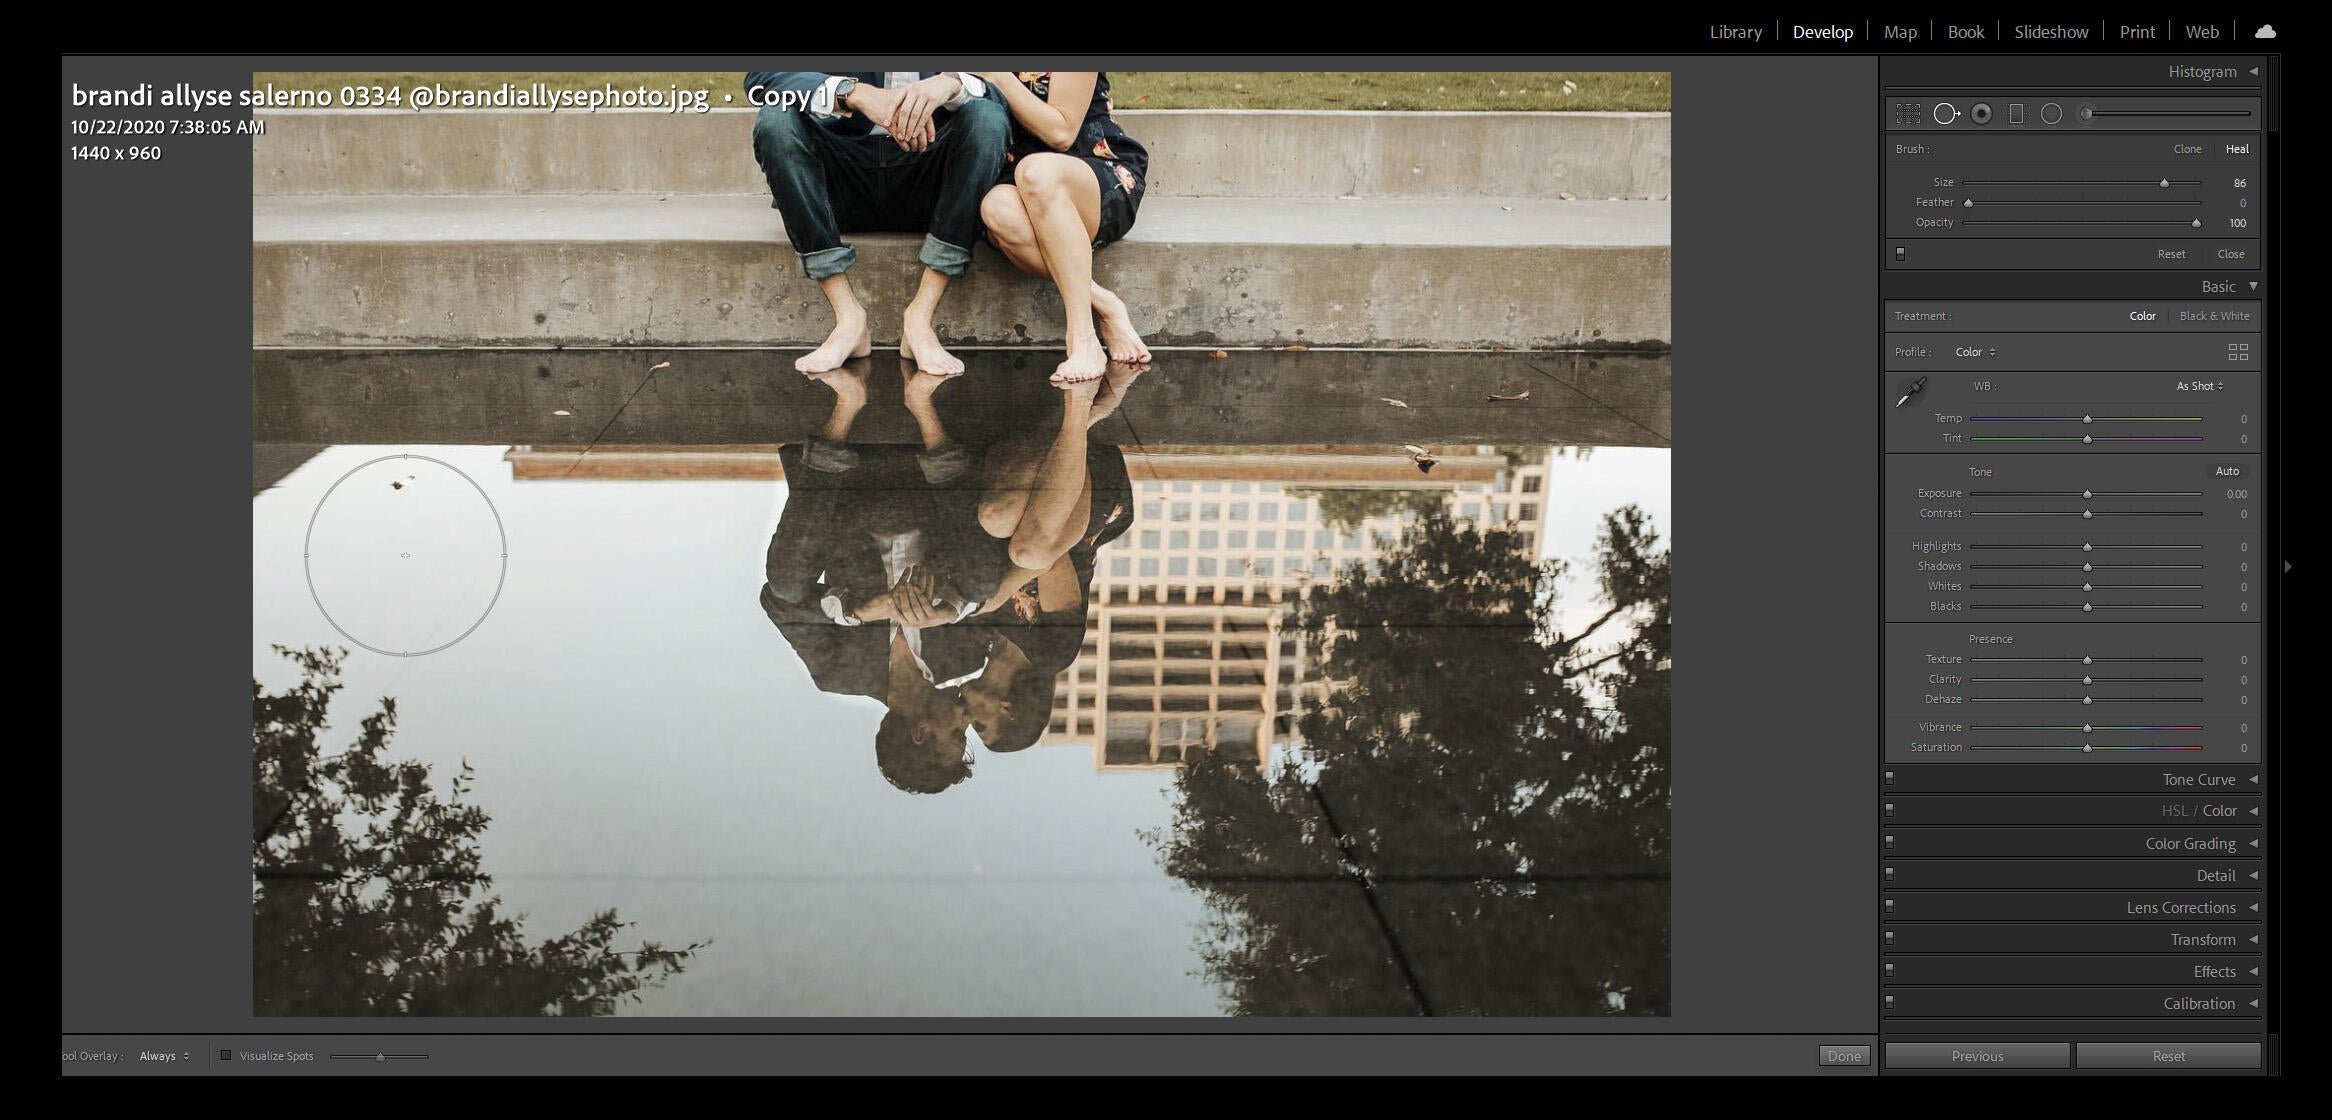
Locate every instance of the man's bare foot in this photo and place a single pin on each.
(1086, 362)
(920, 384)
(1117, 328)
(850, 339)
(848, 381)
(919, 344)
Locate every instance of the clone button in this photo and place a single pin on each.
(2169, 1055)
(1979, 1055)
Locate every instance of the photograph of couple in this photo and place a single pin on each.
(1032, 162)
(947, 581)
(961, 544)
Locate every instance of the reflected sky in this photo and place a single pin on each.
(645, 740)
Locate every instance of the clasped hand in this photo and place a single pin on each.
(914, 602)
(906, 113)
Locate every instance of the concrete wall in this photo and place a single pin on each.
(747, 292)
(1193, 153)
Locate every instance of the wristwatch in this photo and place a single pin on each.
(842, 94)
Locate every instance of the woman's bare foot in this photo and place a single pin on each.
(919, 344)
(1117, 328)
(1080, 395)
(850, 339)
(1086, 361)
(1114, 383)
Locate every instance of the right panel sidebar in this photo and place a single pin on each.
(2073, 401)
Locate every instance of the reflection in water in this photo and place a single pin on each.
(1408, 764)
(1477, 820)
(1491, 790)
(947, 581)
(367, 892)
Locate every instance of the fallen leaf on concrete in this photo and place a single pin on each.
(561, 412)
(1218, 354)
(659, 200)
(1497, 349)
(395, 485)
(1523, 395)
(658, 366)
(1394, 403)
(1567, 196)
(1423, 458)
(1295, 346)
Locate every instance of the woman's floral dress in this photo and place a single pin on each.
(1119, 161)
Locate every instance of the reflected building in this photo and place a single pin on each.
(1189, 643)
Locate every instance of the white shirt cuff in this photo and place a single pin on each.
(973, 90)
(832, 605)
(822, 103)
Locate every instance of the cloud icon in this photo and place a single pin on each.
(2266, 31)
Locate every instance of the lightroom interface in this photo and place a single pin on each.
(1171, 569)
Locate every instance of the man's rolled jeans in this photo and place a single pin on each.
(826, 185)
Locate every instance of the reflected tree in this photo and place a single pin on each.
(368, 895)
(1478, 822)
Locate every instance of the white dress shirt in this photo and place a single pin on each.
(823, 103)
(901, 551)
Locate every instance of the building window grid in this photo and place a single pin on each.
(1243, 581)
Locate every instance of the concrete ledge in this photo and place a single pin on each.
(710, 270)
(1194, 153)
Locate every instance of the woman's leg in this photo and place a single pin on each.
(1064, 208)
(1038, 494)
(1061, 500)
(1009, 474)
(1010, 230)
(1117, 328)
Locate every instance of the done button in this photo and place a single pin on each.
(1846, 1055)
